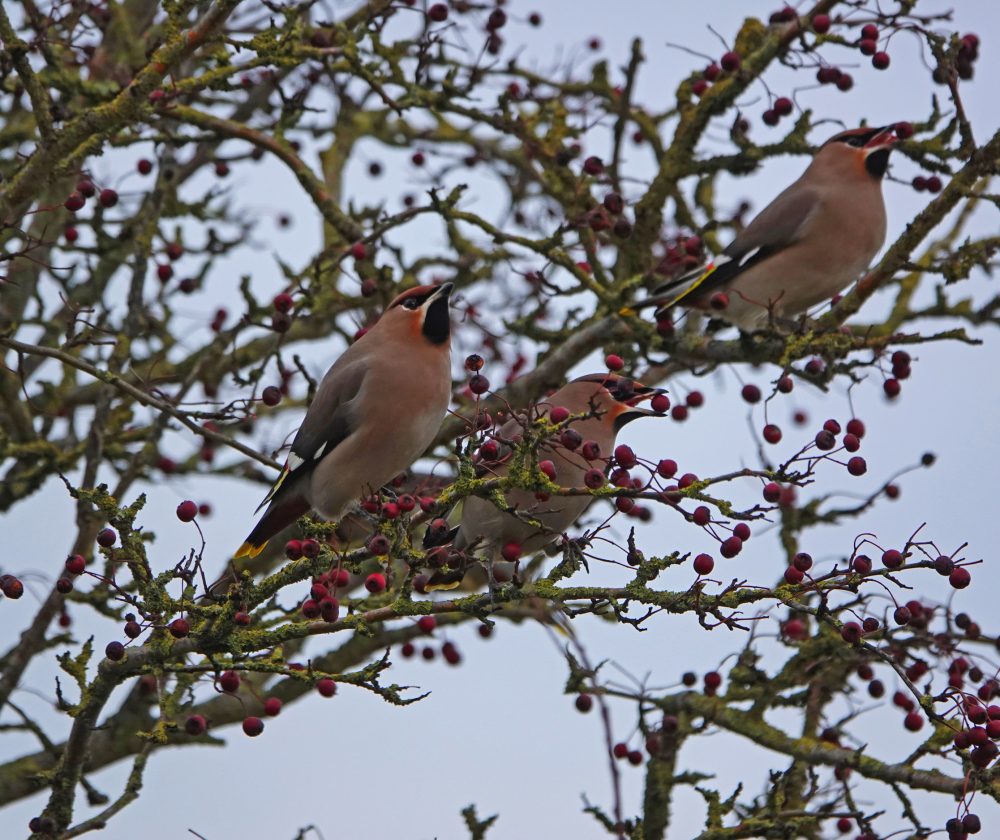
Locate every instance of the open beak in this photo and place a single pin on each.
(632, 408)
(642, 393)
(884, 138)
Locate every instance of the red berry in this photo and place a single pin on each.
(751, 393)
(892, 559)
(730, 547)
(783, 106)
(625, 456)
(614, 362)
(179, 628)
(479, 384)
(584, 703)
(375, 583)
(851, 632)
(253, 726)
(438, 12)
(869, 31)
(74, 202)
(821, 24)
(960, 577)
(326, 687)
(451, 654)
(903, 130)
(115, 651)
(144, 166)
(195, 725)
(593, 165)
(106, 538)
(108, 198)
(613, 203)
(378, 544)
(426, 623)
(857, 465)
(187, 510)
(772, 492)
(272, 706)
(730, 62)
(559, 414)
(891, 388)
(283, 302)
(845, 82)
(660, 403)
(511, 551)
(229, 681)
(914, 721)
(880, 60)
(794, 576)
(620, 751)
(329, 609)
(772, 434)
(666, 468)
(75, 564)
(703, 564)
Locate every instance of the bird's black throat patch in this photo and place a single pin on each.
(437, 322)
(877, 162)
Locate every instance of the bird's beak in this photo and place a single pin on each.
(884, 138)
(442, 291)
(631, 408)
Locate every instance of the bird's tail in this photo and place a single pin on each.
(674, 291)
(282, 513)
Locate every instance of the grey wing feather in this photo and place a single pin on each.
(778, 225)
(330, 416)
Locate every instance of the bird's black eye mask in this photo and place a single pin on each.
(857, 139)
(415, 301)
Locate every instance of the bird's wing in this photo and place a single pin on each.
(778, 225)
(329, 420)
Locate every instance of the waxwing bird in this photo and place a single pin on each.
(375, 412)
(606, 403)
(806, 246)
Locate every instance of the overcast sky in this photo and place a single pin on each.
(497, 731)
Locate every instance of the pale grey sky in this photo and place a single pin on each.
(497, 731)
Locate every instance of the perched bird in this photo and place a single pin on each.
(375, 412)
(609, 402)
(806, 246)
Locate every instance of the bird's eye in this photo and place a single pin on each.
(411, 303)
(857, 141)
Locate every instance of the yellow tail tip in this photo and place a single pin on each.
(249, 550)
(444, 584)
